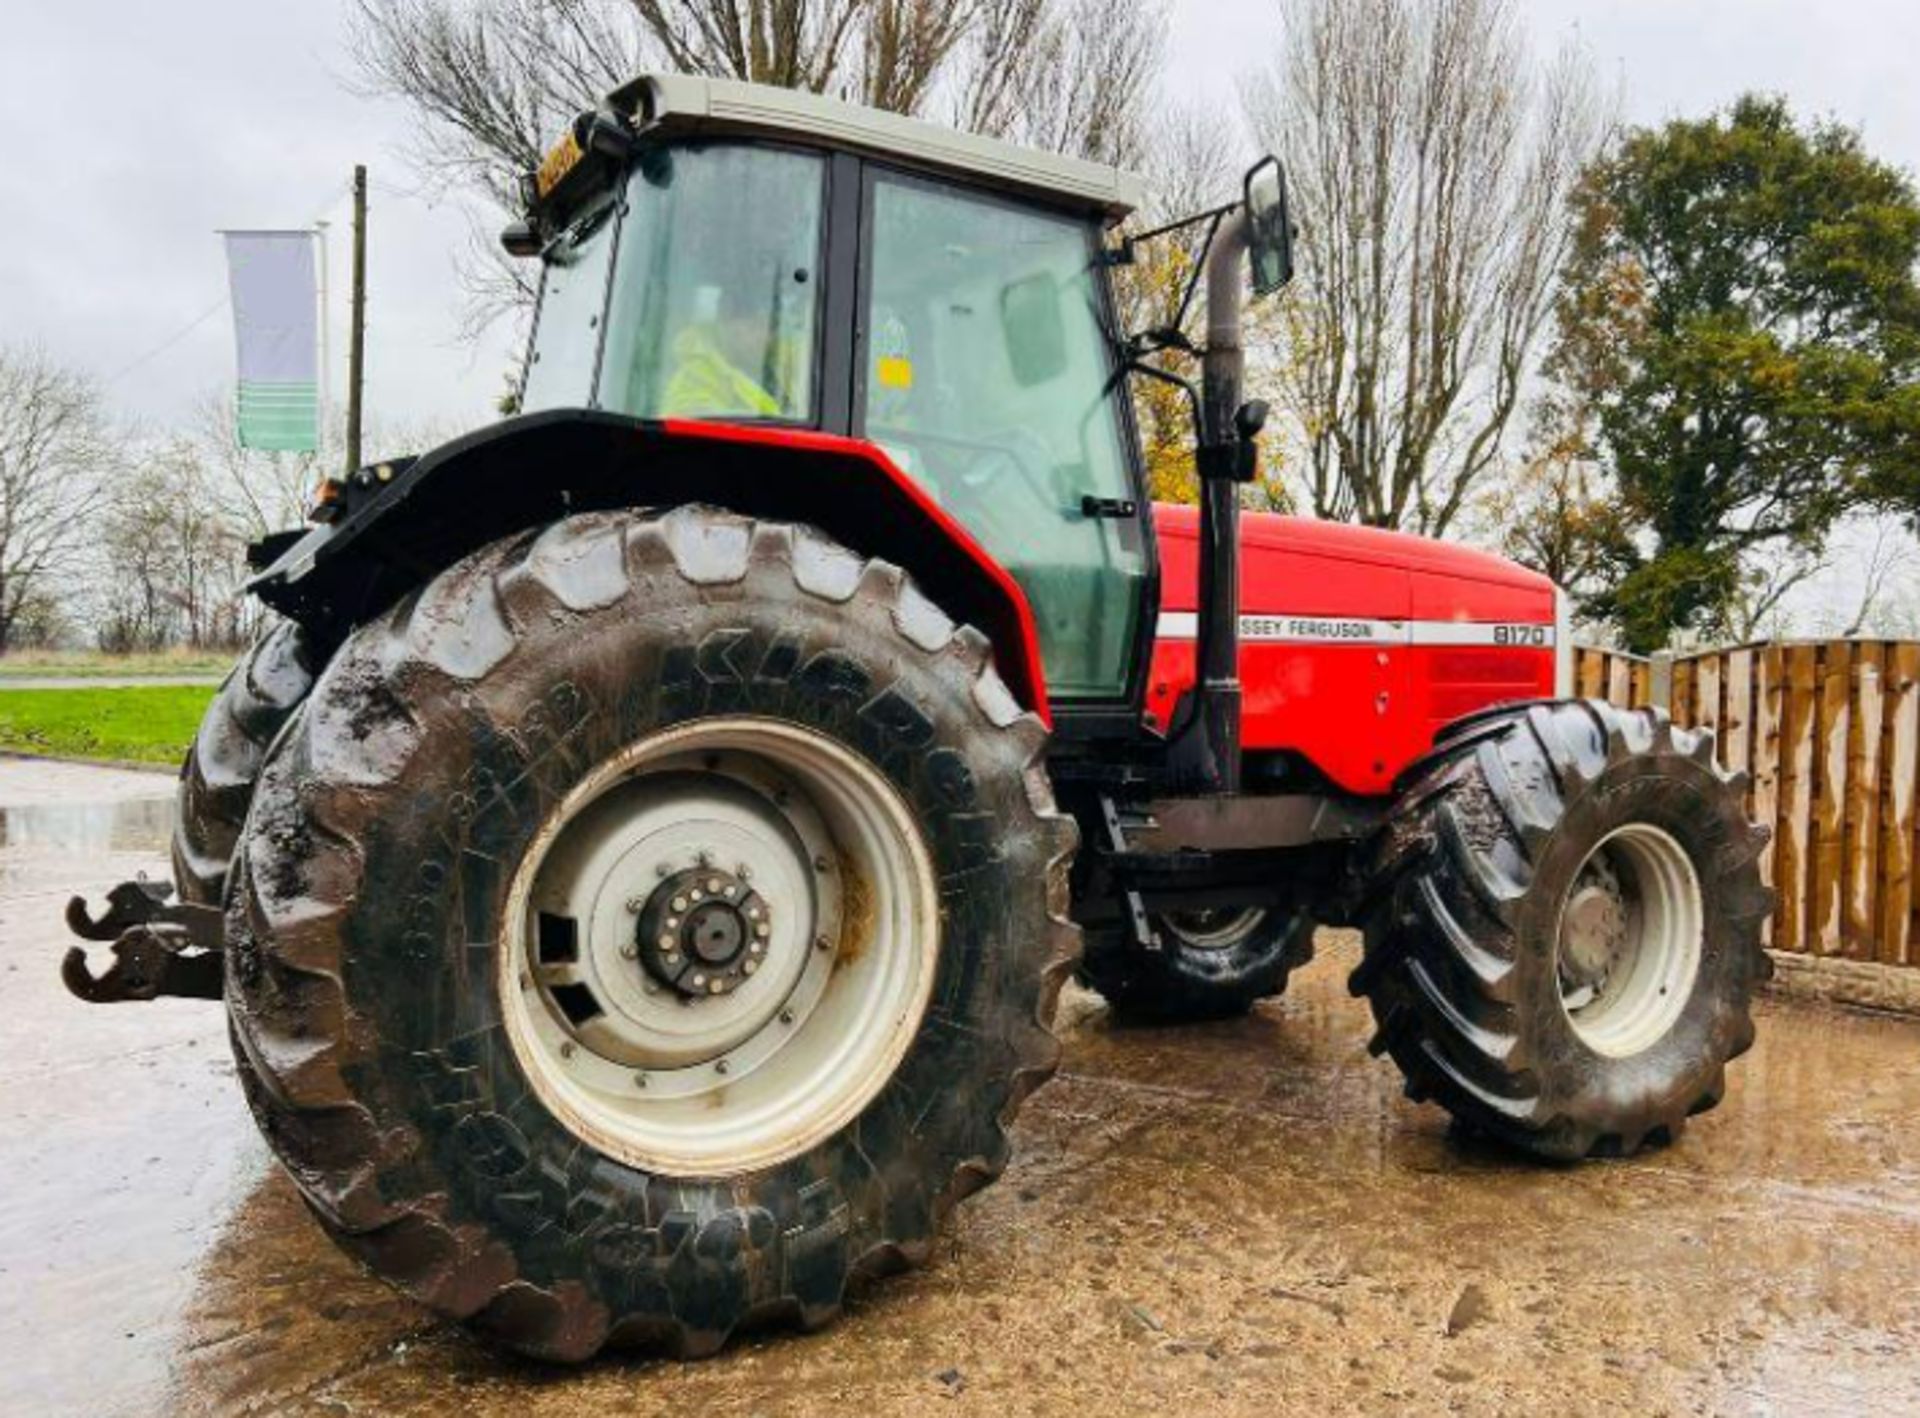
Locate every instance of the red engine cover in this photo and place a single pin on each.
(1356, 645)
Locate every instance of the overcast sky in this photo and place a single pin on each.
(135, 129)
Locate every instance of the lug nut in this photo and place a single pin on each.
(699, 981)
(751, 966)
(679, 903)
(629, 952)
(666, 944)
(717, 987)
(636, 904)
(743, 872)
(762, 930)
(713, 884)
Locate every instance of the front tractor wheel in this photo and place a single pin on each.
(1564, 928)
(1210, 964)
(649, 929)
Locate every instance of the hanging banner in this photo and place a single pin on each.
(276, 334)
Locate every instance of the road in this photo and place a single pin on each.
(1244, 1219)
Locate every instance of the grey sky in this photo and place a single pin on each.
(136, 129)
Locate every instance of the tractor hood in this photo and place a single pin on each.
(1264, 535)
(1346, 628)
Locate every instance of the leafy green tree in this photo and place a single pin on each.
(1741, 318)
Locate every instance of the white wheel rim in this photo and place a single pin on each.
(719, 946)
(1214, 930)
(1629, 940)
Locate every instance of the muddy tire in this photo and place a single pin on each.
(1566, 929)
(259, 695)
(1212, 966)
(423, 1028)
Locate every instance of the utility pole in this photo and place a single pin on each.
(357, 336)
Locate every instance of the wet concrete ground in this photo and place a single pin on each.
(1243, 1219)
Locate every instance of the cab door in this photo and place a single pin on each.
(984, 368)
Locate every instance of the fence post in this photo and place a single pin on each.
(1662, 677)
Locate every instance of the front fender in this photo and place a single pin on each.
(528, 471)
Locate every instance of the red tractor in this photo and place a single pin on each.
(641, 864)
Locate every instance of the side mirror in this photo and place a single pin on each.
(1269, 227)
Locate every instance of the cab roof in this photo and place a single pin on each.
(681, 103)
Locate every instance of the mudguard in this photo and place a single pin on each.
(537, 468)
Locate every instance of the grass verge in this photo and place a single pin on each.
(144, 724)
(92, 664)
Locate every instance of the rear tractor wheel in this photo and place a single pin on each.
(1211, 964)
(1564, 930)
(648, 930)
(264, 690)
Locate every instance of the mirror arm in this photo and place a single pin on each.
(1199, 269)
(1125, 254)
(1174, 336)
(1168, 377)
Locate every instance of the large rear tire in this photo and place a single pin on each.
(1210, 965)
(259, 695)
(1564, 927)
(649, 928)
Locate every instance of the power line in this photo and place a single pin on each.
(202, 318)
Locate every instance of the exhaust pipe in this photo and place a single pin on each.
(1206, 751)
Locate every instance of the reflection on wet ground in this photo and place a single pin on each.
(1245, 1218)
(83, 829)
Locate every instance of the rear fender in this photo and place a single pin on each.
(538, 468)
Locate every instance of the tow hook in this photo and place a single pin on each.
(159, 949)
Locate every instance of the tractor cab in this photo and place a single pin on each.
(715, 252)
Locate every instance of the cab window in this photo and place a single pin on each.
(716, 294)
(988, 377)
(566, 329)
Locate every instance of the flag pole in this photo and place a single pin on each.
(357, 331)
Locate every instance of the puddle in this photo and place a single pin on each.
(135, 825)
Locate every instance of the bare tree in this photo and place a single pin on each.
(1888, 557)
(176, 566)
(1431, 162)
(55, 453)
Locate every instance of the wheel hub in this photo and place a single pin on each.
(1593, 930)
(703, 932)
(685, 983)
(1630, 940)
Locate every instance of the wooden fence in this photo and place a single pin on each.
(1829, 733)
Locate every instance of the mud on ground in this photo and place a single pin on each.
(1240, 1219)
